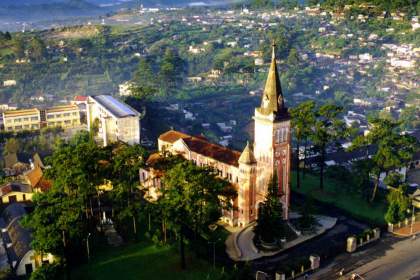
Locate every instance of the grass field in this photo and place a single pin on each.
(334, 193)
(144, 261)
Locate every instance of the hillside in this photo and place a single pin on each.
(19, 3)
(54, 10)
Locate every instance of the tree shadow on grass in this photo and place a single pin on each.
(134, 261)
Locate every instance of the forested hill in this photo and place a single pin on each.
(10, 6)
(34, 10)
(19, 3)
(412, 6)
(388, 5)
(21, 10)
(29, 3)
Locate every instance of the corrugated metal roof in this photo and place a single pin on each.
(115, 107)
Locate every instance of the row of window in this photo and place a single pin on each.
(21, 127)
(250, 211)
(228, 176)
(19, 120)
(66, 122)
(281, 135)
(52, 116)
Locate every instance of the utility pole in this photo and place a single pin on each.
(87, 246)
(413, 217)
(214, 252)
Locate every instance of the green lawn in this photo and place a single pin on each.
(143, 261)
(334, 193)
(5, 51)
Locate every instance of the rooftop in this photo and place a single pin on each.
(80, 98)
(172, 136)
(14, 187)
(19, 237)
(202, 146)
(247, 156)
(62, 108)
(23, 112)
(114, 106)
(34, 176)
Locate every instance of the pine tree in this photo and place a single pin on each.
(8, 36)
(270, 225)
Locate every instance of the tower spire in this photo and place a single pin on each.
(247, 156)
(272, 100)
(273, 50)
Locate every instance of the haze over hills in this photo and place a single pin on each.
(40, 14)
(102, 3)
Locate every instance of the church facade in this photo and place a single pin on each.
(249, 171)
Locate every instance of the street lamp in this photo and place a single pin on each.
(262, 273)
(214, 251)
(213, 227)
(354, 275)
(416, 204)
(87, 246)
(412, 221)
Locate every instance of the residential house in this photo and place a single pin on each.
(15, 192)
(35, 179)
(17, 240)
(14, 164)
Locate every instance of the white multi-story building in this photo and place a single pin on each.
(114, 120)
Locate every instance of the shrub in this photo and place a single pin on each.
(46, 272)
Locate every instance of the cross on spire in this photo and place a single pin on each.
(273, 53)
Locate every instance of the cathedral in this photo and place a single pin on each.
(249, 171)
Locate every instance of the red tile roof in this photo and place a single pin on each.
(34, 176)
(153, 158)
(14, 187)
(44, 185)
(172, 136)
(213, 151)
(203, 147)
(80, 98)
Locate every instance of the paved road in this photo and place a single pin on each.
(391, 258)
(327, 246)
(401, 261)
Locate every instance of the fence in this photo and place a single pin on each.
(368, 236)
(406, 223)
(303, 268)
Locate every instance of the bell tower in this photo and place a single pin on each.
(246, 194)
(272, 147)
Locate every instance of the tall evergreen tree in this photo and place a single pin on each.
(18, 48)
(37, 49)
(193, 197)
(303, 120)
(126, 162)
(392, 150)
(7, 36)
(328, 129)
(172, 68)
(270, 225)
(144, 76)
